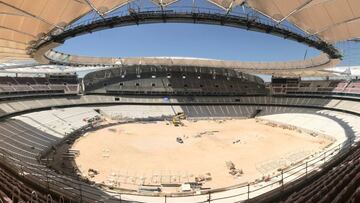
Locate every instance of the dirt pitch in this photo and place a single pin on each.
(129, 155)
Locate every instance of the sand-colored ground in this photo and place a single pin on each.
(129, 155)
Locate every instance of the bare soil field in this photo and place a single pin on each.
(216, 153)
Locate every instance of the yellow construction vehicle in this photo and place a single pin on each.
(176, 120)
(181, 115)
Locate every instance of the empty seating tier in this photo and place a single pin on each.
(317, 87)
(29, 86)
(152, 80)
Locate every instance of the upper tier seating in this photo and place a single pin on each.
(23, 86)
(172, 81)
(332, 87)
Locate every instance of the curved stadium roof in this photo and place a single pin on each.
(24, 22)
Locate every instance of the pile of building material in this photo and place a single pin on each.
(233, 170)
(92, 173)
(203, 178)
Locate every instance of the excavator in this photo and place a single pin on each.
(176, 120)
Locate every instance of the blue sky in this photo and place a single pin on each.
(186, 40)
(190, 40)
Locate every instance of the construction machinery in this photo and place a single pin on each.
(176, 120)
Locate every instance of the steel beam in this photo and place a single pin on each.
(202, 18)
